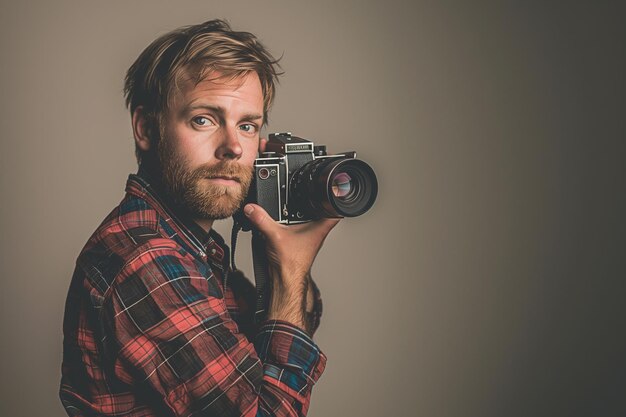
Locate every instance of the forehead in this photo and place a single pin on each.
(240, 92)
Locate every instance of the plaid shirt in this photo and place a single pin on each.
(155, 325)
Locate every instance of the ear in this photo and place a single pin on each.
(142, 129)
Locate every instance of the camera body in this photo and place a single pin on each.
(296, 181)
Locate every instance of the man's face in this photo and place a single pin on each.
(209, 140)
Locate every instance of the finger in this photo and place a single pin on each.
(260, 219)
(262, 144)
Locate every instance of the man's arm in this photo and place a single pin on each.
(245, 297)
(167, 326)
(291, 251)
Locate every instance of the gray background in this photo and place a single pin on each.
(488, 278)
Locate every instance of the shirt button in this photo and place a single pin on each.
(213, 250)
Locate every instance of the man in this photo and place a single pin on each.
(155, 323)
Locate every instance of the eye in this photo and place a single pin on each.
(201, 121)
(248, 128)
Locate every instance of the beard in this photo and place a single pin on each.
(190, 189)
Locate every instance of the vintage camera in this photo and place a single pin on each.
(296, 181)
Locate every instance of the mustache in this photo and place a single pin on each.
(231, 170)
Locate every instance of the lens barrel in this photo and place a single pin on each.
(333, 187)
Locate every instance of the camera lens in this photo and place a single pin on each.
(341, 185)
(334, 187)
(356, 187)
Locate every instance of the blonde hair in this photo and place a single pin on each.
(194, 52)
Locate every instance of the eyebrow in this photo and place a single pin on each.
(220, 112)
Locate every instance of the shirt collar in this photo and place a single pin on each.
(209, 246)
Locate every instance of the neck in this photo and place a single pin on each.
(206, 224)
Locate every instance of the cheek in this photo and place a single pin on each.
(195, 150)
(249, 153)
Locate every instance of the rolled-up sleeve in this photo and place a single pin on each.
(167, 329)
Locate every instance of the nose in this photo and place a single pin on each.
(229, 146)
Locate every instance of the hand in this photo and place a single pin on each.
(291, 251)
(262, 144)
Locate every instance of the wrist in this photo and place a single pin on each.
(288, 301)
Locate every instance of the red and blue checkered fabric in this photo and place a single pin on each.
(151, 329)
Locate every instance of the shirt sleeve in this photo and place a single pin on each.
(167, 329)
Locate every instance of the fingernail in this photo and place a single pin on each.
(248, 209)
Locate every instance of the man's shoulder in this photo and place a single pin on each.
(131, 224)
(129, 230)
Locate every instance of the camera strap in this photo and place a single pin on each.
(259, 260)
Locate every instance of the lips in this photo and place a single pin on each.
(224, 177)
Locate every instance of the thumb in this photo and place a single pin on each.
(259, 218)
